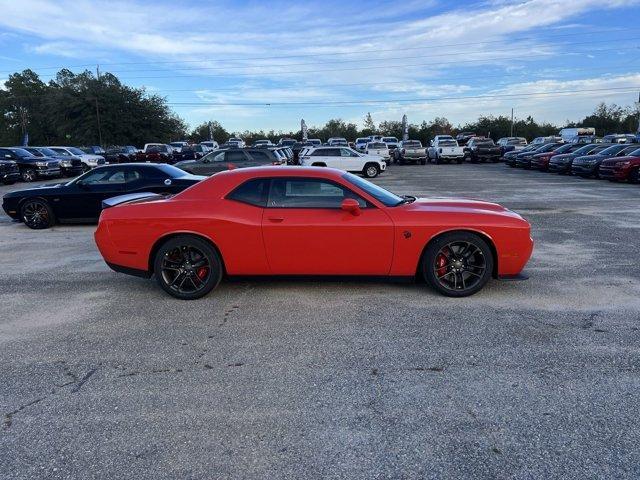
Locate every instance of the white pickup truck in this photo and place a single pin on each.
(444, 148)
(343, 158)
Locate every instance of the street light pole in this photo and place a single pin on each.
(511, 134)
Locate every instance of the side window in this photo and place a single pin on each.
(308, 193)
(104, 177)
(320, 153)
(253, 192)
(259, 156)
(5, 154)
(216, 158)
(235, 156)
(133, 175)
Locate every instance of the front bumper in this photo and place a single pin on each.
(7, 177)
(584, 169)
(48, 172)
(560, 167)
(613, 173)
(523, 162)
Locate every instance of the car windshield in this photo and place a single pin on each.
(75, 151)
(586, 149)
(384, 196)
(635, 153)
(484, 141)
(389, 139)
(21, 152)
(613, 150)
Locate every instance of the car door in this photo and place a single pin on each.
(350, 160)
(305, 231)
(82, 199)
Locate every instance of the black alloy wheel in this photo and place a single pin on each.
(458, 264)
(37, 214)
(187, 267)
(29, 175)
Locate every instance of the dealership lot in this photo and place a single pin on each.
(105, 375)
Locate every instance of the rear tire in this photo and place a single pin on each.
(37, 214)
(187, 267)
(423, 161)
(457, 264)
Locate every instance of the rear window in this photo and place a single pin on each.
(412, 143)
(377, 145)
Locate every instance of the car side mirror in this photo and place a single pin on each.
(350, 205)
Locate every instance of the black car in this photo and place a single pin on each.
(463, 137)
(118, 154)
(220, 160)
(540, 161)
(30, 166)
(69, 166)
(562, 163)
(510, 157)
(523, 159)
(481, 149)
(190, 152)
(9, 172)
(590, 166)
(80, 200)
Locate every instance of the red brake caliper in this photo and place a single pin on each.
(202, 272)
(441, 261)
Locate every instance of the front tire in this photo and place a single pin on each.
(634, 176)
(187, 267)
(457, 264)
(29, 175)
(371, 170)
(37, 214)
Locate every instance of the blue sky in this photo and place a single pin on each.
(227, 60)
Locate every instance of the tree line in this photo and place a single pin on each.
(87, 109)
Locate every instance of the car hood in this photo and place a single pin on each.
(614, 160)
(44, 189)
(432, 204)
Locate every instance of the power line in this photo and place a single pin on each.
(335, 53)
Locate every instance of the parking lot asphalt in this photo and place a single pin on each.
(105, 376)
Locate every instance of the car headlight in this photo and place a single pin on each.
(65, 163)
(622, 164)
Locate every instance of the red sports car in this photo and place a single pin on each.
(308, 221)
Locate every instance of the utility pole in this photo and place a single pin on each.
(638, 108)
(97, 106)
(511, 134)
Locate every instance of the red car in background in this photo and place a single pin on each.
(308, 221)
(622, 168)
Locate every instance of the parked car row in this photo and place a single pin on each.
(32, 163)
(613, 161)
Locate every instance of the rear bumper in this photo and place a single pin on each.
(129, 271)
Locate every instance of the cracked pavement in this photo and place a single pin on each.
(105, 376)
